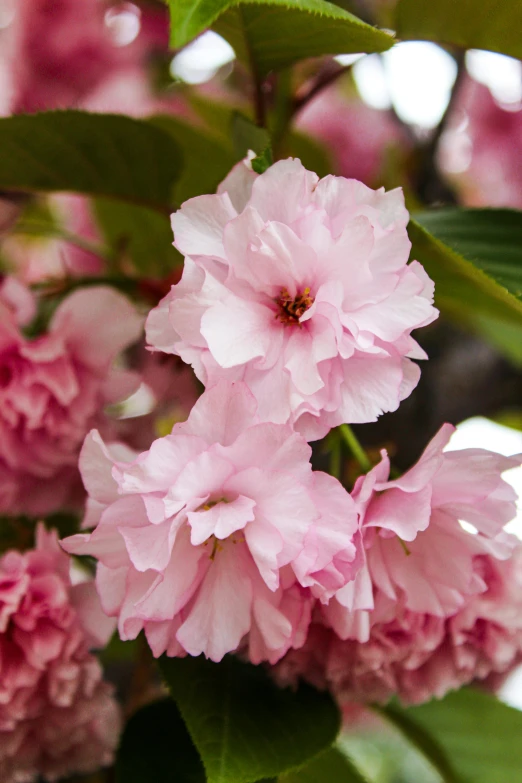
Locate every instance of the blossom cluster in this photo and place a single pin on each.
(53, 389)
(295, 310)
(57, 715)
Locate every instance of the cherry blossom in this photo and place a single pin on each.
(213, 531)
(301, 288)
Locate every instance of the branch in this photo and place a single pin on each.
(328, 76)
(431, 186)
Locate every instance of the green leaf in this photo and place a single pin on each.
(156, 746)
(95, 154)
(329, 767)
(206, 159)
(271, 34)
(478, 736)
(247, 136)
(475, 258)
(423, 740)
(245, 727)
(139, 233)
(472, 24)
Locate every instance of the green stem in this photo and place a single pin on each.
(355, 447)
(34, 228)
(335, 455)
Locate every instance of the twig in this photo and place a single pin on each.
(259, 102)
(355, 447)
(328, 77)
(431, 186)
(433, 143)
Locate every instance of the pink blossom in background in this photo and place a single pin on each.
(76, 216)
(215, 532)
(169, 388)
(59, 51)
(18, 300)
(57, 715)
(435, 605)
(356, 136)
(481, 150)
(300, 287)
(53, 389)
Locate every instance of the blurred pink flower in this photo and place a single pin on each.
(356, 136)
(481, 149)
(201, 538)
(57, 715)
(59, 51)
(52, 389)
(417, 655)
(301, 288)
(171, 387)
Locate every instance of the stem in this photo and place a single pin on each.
(142, 678)
(283, 106)
(441, 127)
(54, 287)
(258, 93)
(259, 103)
(335, 455)
(355, 447)
(431, 186)
(323, 80)
(34, 228)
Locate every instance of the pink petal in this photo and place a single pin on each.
(222, 413)
(220, 616)
(77, 321)
(221, 520)
(198, 225)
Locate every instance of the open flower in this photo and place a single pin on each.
(301, 288)
(53, 390)
(211, 532)
(57, 715)
(418, 553)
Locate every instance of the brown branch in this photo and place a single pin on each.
(328, 76)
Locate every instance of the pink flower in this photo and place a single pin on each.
(53, 389)
(481, 149)
(214, 531)
(57, 715)
(300, 288)
(60, 51)
(418, 655)
(355, 135)
(418, 554)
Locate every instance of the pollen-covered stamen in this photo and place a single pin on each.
(292, 308)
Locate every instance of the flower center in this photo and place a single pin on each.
(292, 308)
